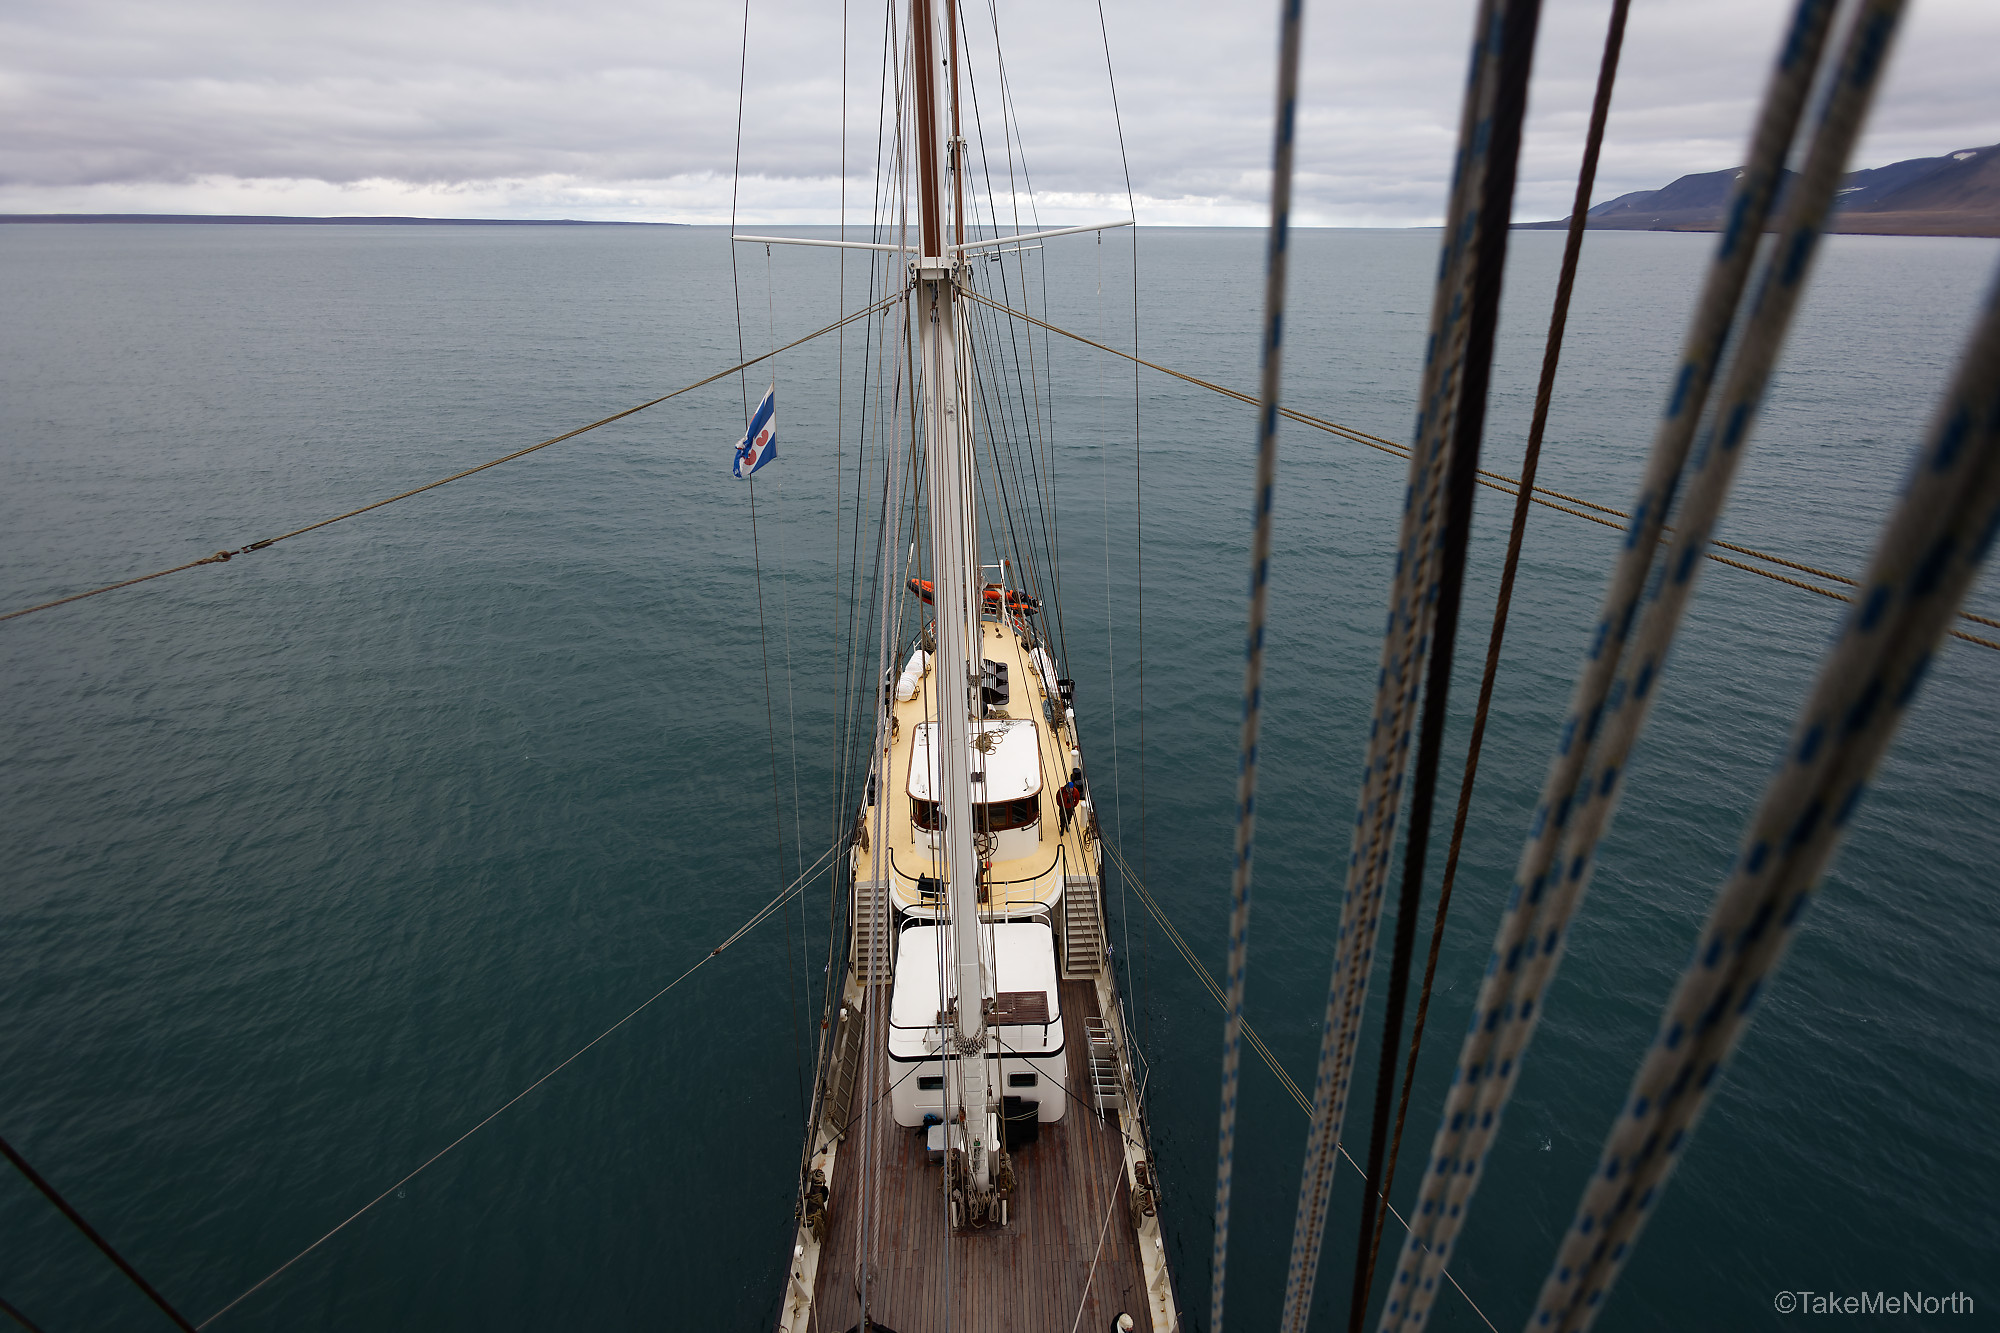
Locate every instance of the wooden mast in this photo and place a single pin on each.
(923, 47)
(970, 1101)
(956, 149)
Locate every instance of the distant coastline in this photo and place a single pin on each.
(1876, 224)
(274, 220)
(1956, 194)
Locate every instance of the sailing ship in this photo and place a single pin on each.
(977, 1153)
(977, 1124)
(979, 1045)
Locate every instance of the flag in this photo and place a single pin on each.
(759, 444)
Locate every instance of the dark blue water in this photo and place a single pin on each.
(313, 859)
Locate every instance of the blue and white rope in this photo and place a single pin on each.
(1925, 561)
(1291, 22)
(1405, 645)
(1615, 691)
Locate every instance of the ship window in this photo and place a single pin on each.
(1022, 1080)
(935, 1083)
(994, 817)
(1002, 815)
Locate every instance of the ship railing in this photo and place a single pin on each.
(928, 890)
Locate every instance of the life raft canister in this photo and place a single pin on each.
(1018, 602)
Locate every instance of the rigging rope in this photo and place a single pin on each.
(757, 567)
(1250, 1036)
(1042, 436)
(64, 1207)
(777, 816)
(222, 557)
(837, 787)
(1138, 506)
(764, 661)
(1031, 435)
(1531, 458)
(1926, 559)
(1422, 622)
(1102, 1232)
(1512, 60)
(1104, 502)
(852, 689)
(1291, 24)
(1615, 689)
(8, 1309)
(889, 605)
(1499, 481)
(756, 919)
(736, 179)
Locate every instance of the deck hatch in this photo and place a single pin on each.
(993, 688)
(1006, 754)
(1019, 1008)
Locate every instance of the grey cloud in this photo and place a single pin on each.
(521, 105)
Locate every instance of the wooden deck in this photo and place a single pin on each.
(1033, 1274)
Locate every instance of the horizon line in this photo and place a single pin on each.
(357, 219)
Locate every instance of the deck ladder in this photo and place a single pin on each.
(1083, 928)
(846, 1063)
(873, 951)
(1107, 1088)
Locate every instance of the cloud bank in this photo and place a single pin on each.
(618, 110)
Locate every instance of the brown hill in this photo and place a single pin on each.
(1957, 194)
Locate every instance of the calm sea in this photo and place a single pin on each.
(311, 860)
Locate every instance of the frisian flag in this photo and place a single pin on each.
(759, 444)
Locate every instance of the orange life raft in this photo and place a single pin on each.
(1018, 602)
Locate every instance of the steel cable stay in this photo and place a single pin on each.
(901, 488)
(986, 340)
(1496, 481)
(224, 556)
(1509, 486)
(889, 372)
(1250, 1034)
(1425, 457)
(1014, 503)
(854, 689)
(847, 613)
(771, 734)
(1032, 435)
(869, 361)
(13, 1312)
(757, 918)
(757, 568)
(1004, 423)
(839, 473)
(90, 1234)
(1102, 1231)
(1136, 973)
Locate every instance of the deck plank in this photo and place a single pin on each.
(1034, 1274)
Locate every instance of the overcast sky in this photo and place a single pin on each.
(624, 110)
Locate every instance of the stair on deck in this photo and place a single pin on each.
(1082, 928)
